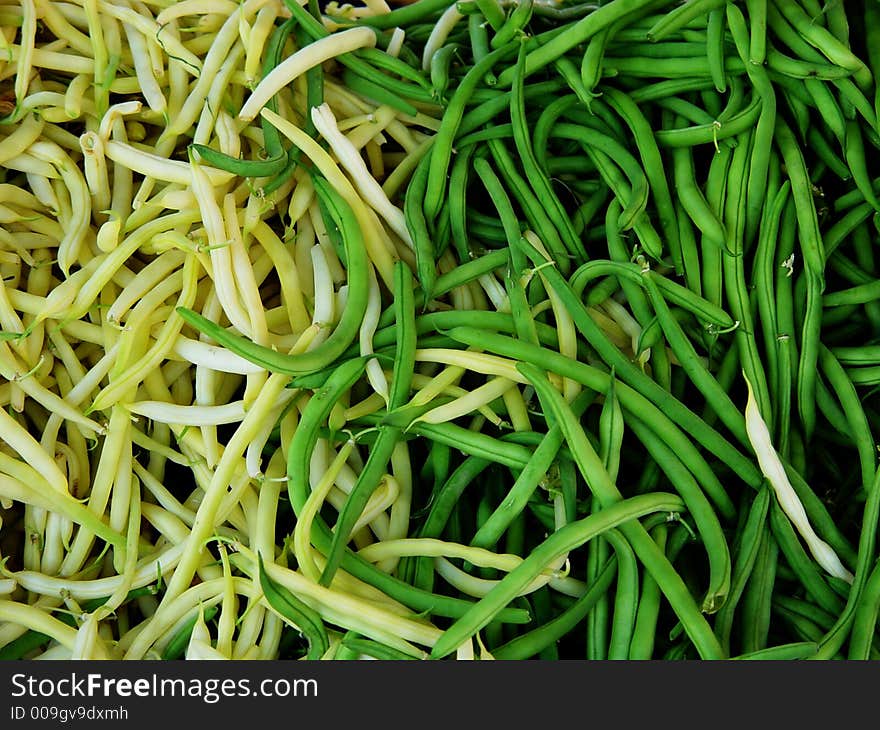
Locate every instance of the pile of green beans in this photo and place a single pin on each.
(671, 200)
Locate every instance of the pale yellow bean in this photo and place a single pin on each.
(298, 63)
(35, 619)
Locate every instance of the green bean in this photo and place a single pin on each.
(854, 151)
(487, 110)
(798, 69)
(620, 47)
(575, 34)
(733, 268)
(589, 209)
(715, 48)
(714, 132)
(668, 88)
(851, 96)
(783, 652)
(701, 511)
(478, 33)
(515, 537)
(381, 59)
(563, 540)
(633, 195)
(832, 411)
(764, 283)
(474, 443)
(528, 644)
(299, 452)
(437, 465)
(533, 207)
(648, 611)
(244, 168)
(625, 597)
(864, 375)
(377, 92)
(514, 24)
(470, 270)
(600, 616)
(361, 71)
(543, 612)
(692, 200)
(520, 311)
(593, 59)
(786, 346)
(823, 100)
(823, 149)
(806, 629)
(534, 174)
(872, 47)
(368, 647)
(441, 149)
(863, 354)
(746, 551)
(863, 248)
(611, 429)
(653, 164)
(606, 491)
(457, 203)
(848, 269)
(294, 611)
(527, 481)
(676, 19)
(569, 12)
(349, 323)
(682, 347)
(279, 162)
(690, 111)
(757, 10)
(443, 320)
(406, 333)
(567, 69)
(802, 115)
(426, 265)
(690, 252)
(855, 415)
(813, 261)
(820, 38)
(865, 619)
(764, 129)
(404, 15)
(711, 278)
(854, 620)
(486, 229)
(670, 68)
(301, 446)
(506, 213)
(441, 60)
(306, 434)
(758, 595)
(798, 452)
(493, 12)
(315, 76)
(32, 640)
(631, 400)
(635, 297)
(544, 126)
